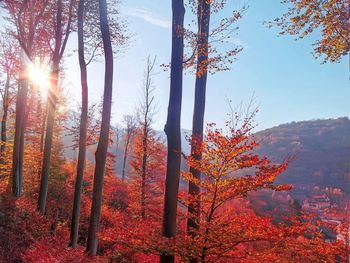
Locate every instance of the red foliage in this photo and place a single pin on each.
(234, 232)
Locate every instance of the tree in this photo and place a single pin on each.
(148, 167)
(88, 9)
(130, 123)
(5, 108)
(102, 147)
(90, 47)
(83, 128)
(62, 19)
(146, 116)
(203, 14)
(227, 231)
(205, 58)
(8, 66)
(25, 17)
(145, 142)
(172, 127)
(330, 18)
(225, 158)
(35, 115)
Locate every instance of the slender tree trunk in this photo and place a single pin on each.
(147, 108)
(54, 224)
(102, 147)
(4, 117)
(51, 113)
(3, 132)
(83, 129)
(3, 137)
(42, 132)
(125, 158)
(17, 157)
(193, 216)
(42, 137)
(21, 146)
(144, 167)
(208, 221)
(45, 170)
(172, 126)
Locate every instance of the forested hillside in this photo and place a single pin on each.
(321, 149)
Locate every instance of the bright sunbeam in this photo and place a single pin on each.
(39, 77)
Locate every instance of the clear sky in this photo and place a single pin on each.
(287, 82)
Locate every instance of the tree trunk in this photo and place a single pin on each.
(208, 221)
(125, 157)
(102, 147)
(42, 132)
(51, 113)
(193, 216)
(53, 227)
(4, 117)
(45, 170)
(21, 146)
(21, 102)
(146, 130)
(144, 166)
(83, 129)
(172, 126)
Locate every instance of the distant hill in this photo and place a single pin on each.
(322, 150)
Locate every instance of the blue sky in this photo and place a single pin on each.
(287, 82)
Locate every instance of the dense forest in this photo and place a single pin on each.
(75, 188)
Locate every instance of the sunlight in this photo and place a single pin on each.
(61, 109)
(39, 76)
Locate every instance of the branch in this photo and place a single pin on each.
(93, 54)
(193, 54)
(67, 29)
(184, 155)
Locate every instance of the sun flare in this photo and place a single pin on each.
(39, 76)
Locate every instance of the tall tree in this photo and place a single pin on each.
(89, 32)
(102, 147)
(62, 16)
(25, 18)
(145, 118)
(83, 128)
(173, 126)
(203, 14)
(5, 107)
(130, 123)
(8, 66)
(211, 52)
(146, 128)
(35, 116)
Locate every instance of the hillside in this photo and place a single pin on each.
(321, 149)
